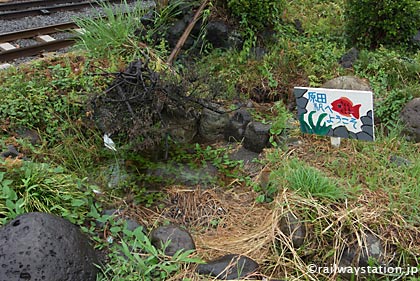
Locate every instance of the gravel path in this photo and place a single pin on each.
(55, 18)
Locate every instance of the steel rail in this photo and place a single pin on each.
(36, 49)
(49, 9)
(28, 4)
(27, 33)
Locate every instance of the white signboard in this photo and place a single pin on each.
(335, 112)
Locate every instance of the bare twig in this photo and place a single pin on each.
(186, 33)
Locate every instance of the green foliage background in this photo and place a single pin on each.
(257, 14)
(371, 23)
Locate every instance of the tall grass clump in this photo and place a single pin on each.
(113, 34)
(39, 187)
(306, 180)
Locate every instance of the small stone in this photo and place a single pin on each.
(180, 239)
(229, 267)
(10, 152)
(29, 134)
(349, 58)
(218, 34)
(132, 224)
(359, 256)
(399, 161)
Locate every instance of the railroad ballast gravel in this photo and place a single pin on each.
(56, 18)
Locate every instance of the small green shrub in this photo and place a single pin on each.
(256, 14)
(280, 123)
(371, 23)
(393, 78)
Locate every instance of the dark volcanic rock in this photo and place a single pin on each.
(40, 246)
(218, 34)
(356, 255)
(293, 228)
(235, 129)
(213, 124)
(180, 239)
(256, 136)
(410, 116)
(229, 267)
(349, 58)
(30, 135)
(399, 161)
(10, 152)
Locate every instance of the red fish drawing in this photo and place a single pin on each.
(345, 107)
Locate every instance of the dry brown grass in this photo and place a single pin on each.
(229, 221)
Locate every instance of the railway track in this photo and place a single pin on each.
(15, 10)
(41, 39)
(46, 43)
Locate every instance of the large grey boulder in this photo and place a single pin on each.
(410, 116)
(40, 246)
(347, 83)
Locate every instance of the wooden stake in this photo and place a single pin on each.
(335, 142)
(186, 33)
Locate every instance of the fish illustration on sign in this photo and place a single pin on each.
(345, 107)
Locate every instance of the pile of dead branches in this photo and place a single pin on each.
(136, 103)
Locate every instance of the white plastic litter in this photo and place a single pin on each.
(109, 143)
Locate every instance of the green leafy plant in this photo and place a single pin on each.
(371, 23)
(45, 96)
(280, 123)
(10, 205)
(135, 258)
(393, 78)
